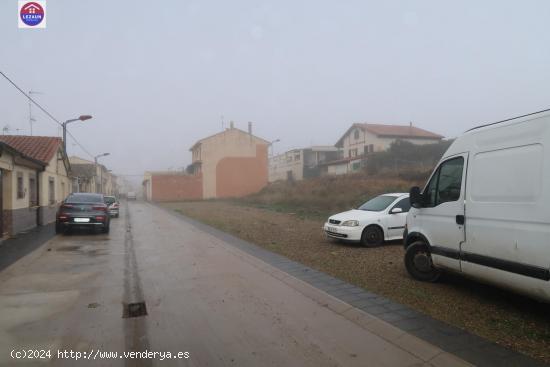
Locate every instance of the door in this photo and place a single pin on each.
(396, 221)
(442, 214)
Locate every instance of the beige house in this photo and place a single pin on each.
(34, 181)
(361, 139)
(91, 177)
(231, 163)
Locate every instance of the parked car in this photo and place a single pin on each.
(485, 211)
(131, 195)
(378, 220)
(113, 205)
(83, 210)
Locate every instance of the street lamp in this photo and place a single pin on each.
(272, 147)
(81, 118)
(101, 171)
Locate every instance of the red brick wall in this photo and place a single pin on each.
(241, 176)
(176, 187)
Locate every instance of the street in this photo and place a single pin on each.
(203, 296)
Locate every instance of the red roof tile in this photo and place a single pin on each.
(40, 148)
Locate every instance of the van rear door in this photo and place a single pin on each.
(442, 214)
(508, 208)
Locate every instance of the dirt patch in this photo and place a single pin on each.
(513, 321)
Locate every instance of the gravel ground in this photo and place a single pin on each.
(513, 321)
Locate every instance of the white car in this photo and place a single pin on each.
(380, 219)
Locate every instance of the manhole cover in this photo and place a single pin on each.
(134, 310)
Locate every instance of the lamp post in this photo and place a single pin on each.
(272, 148)
(101, 171)
(81, 118)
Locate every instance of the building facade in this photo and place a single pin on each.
(89, 176)
(35, 180)
(298, 164)
(360, 140)
(232, 163)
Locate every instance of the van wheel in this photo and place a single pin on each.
(418, 262)
(372, 236)
(59, 228)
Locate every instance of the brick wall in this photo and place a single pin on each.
(241, 176)
(176, 187)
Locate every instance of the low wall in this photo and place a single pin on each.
(176, 187)
(19, 220)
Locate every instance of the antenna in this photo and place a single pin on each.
(223, 125)
(32, 119)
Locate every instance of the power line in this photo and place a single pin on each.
(45, 111)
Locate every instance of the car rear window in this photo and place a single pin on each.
(85, 198)
(110, 199)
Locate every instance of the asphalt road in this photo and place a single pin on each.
(202, 296)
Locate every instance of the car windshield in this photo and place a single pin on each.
(84, 198)
(110, 200)
(377, 204)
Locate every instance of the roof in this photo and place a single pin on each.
(40, 148)
(225, 131)
(83, 170)
(392, 131)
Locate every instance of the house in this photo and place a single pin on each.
(35, 179)
(89, 176)
(232, 163)
(298, 164)
(362, 139)
(171, 186)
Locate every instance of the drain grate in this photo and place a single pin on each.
(137, 309)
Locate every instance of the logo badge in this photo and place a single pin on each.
(32, 14)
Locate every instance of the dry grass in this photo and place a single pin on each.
(321, 196)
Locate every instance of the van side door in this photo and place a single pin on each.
(442, 214)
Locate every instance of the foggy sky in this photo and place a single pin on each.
(157, 76)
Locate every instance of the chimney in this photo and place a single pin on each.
(249, 127)
(231, 124)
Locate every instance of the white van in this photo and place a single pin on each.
(485, 211)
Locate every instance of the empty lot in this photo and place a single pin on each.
(508, 319)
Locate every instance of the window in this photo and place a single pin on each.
(63, 190)
(20, 186)
(51, 190)
(33, 199)
(404, 204)
(356, 134)
(378, 204)
(445, 184)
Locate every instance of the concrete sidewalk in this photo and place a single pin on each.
(17, 247)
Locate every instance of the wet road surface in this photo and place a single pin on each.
(201, 295)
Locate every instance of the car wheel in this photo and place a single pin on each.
(372, 236)
(106, 228)
(58, 228)
(418, 261)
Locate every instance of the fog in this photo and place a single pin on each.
(158, 76)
